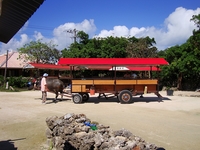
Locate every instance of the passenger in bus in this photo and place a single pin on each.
(133, 75)
(127, 75)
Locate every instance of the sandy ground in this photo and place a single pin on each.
(173, 124)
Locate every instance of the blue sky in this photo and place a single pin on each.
(167, 21)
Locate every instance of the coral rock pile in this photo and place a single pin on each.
(77, 132)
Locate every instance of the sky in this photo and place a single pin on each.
(167, 21)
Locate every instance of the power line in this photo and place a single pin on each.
(39, 27)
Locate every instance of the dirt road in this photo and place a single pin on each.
(173, 124)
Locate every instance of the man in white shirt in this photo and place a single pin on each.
(44, 87)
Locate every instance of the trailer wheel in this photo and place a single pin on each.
(77, 98)
(85, 97)
(125, 96)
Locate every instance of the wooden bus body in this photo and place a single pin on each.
(123, 89)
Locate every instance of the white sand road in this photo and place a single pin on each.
(173, 124)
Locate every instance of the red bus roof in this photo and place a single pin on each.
(93, 67)
(113, 61)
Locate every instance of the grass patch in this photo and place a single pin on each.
(13, 89)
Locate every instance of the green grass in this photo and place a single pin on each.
(3, 89)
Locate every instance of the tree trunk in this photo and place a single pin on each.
(179, 83)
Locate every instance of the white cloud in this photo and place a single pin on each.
(177, 28)
(62, 36)
(117, 31)
(14, 44)
(38, 36)
(135, 30)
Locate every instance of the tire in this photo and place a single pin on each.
(125, 97)
(77, 98)
(85, 97)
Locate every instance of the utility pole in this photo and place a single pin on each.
(74, 32)
(5, 73)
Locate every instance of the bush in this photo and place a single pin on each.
(1, 80)
(19, 82)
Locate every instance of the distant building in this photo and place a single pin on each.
(19, 67)
(15, 66)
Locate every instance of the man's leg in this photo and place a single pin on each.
(44, 96)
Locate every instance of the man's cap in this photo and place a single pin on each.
(45, 75)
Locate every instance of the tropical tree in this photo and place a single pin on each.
(195, 39)
(109, 47)
(39, 52)
(142, 47)
(112, 47)
(184, 70)
(170, 73)
(196, 19)
(84, 38)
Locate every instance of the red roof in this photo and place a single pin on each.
(49, 66)
(113, 61)
(92, 67)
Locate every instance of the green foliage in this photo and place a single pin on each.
(39, 52)
(19, 82)
(84, 38)
(161, 53)
(194, 43)
(142, 47)
(196, 19)
(109, 47)
(184, 65)
(1, 80)
(184, 70)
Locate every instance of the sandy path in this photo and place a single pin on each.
(171, 124)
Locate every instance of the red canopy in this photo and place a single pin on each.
(113, 61)
(49, 66)
(137, 64)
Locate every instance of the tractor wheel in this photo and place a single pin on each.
(85, 97)
(125, 96)
(77, 98)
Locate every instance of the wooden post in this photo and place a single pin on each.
(5, 73)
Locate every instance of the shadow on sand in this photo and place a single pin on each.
(52, 100)
(9, 144)
(113, 99)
